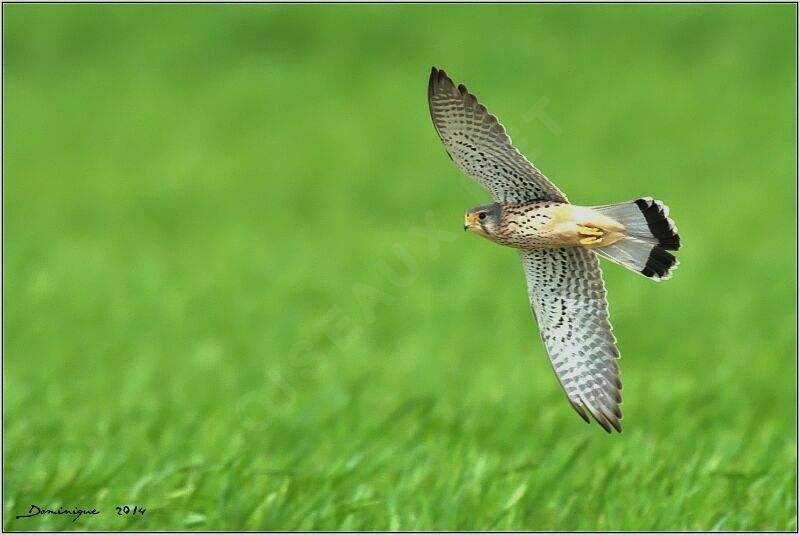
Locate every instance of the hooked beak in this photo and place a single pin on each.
(470, 221)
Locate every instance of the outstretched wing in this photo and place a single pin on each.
(568, 299)
(480, 147)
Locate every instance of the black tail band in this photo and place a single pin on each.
(659, 225)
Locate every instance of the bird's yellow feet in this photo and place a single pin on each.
(590, 235)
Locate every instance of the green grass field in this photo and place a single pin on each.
(237, 292)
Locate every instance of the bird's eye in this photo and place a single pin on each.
(482, 215)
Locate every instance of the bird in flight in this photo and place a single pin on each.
(557, 243)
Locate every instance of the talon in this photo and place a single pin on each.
(591, 240)
(589, 231)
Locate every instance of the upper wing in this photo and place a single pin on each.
(480, 147)
(568, 298)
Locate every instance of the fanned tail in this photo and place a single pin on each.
(650, 235)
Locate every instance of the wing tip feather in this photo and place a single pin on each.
(581, 412)
(438, 79)
(606, 421)
(432, 81)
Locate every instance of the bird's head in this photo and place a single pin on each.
(483, 220)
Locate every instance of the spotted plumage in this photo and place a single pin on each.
(557, 242)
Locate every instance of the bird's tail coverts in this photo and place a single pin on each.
(650, 235)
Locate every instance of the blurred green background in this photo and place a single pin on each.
(237, 293)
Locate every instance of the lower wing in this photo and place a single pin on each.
(568, 298)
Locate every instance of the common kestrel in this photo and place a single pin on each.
(557, 242)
